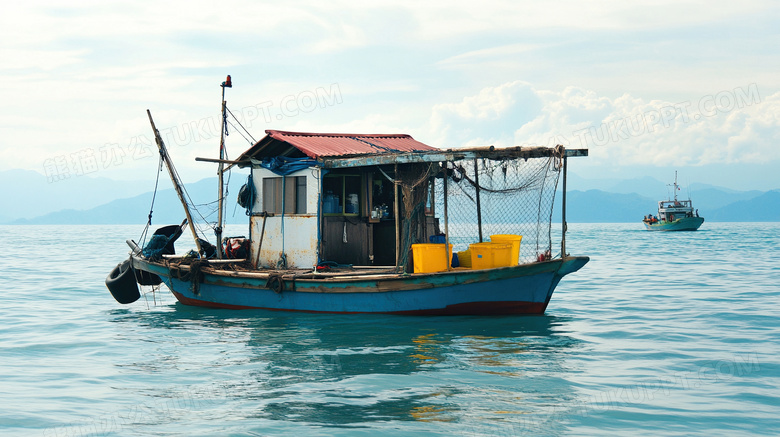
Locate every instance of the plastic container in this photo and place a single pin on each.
(352, 204)
(490, 255)
(437, 239)
(331, 204)
(464, 258)
(429, 258)
(509, 238)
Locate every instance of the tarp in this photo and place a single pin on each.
(283, 165)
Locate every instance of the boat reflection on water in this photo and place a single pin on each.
(337, 370)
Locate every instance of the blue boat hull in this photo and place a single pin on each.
(524, 289)
(683, 224)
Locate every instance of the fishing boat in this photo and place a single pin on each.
(674, 215)
(368, 223)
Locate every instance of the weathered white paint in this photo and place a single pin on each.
(298, 241)
(295, 235)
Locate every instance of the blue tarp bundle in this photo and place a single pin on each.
(283, 166)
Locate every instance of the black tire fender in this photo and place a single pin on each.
(121, 283)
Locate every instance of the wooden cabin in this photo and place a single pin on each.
(323, 197)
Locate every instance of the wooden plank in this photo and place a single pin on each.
(449, 155)
(211, 261)
(221, 161)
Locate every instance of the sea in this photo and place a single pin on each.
(660, 334)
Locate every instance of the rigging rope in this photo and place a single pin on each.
(188, 199)
(188, 202)
(142, 239)
(239, 132)
(242, 126)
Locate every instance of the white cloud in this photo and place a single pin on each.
(445, 20)
(736, 126)
(483, 119)
(80, 76)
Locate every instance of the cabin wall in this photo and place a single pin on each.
(360, 238)
(295, 235)
(313, 175)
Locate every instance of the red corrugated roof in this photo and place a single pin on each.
(316, 145)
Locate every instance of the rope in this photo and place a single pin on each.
(142, 239)
(380, 148)
(413, 182)
(190, 203)
(239, 132)
(239, 123)
(154, 194)
(275, 283)
(196, 275)
(224, 120)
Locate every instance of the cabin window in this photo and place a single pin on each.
(382, 197)
(288, 193)
(341, 195)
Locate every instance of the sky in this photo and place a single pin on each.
(650, 88)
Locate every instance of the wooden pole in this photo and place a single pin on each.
(220, 194)
(174, 179)
(563, 212)
(479, 205)
(396, 210)
(260, 243)
(446, 217)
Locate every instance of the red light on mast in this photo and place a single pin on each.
(227, 83)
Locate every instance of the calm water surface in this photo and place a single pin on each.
(660, 334)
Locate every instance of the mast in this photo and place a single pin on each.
(675, 186)
(218, 230)
(174, 179)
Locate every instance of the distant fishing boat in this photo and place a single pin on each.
(357, 223)
(674, 215)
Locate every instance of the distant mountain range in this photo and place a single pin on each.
(28, 198)
(113, 204)
(596, 206)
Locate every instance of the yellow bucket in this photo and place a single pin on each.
(464, 259)
(510, 238)
(490, 255)
(429, 258)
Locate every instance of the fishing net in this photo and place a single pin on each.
(414, 181)
(511, 195)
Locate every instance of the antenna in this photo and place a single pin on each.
(688, 188)
(675, 186)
